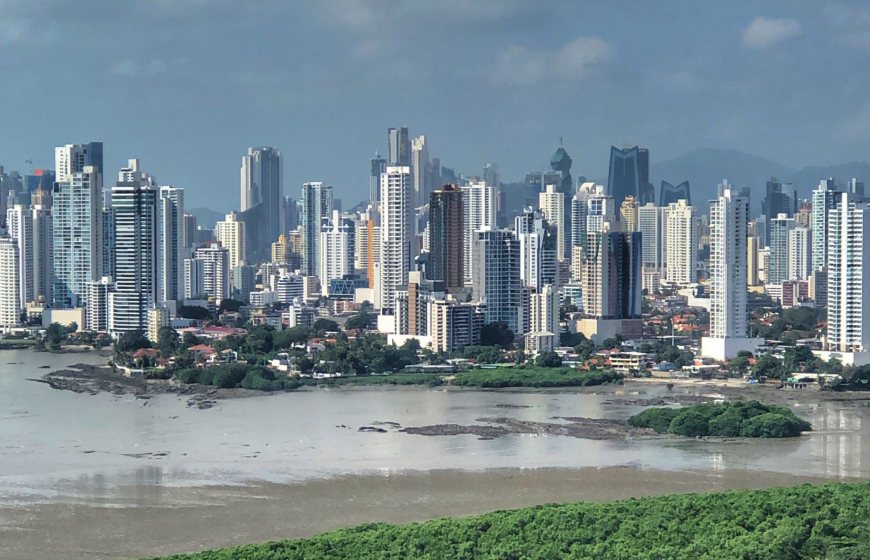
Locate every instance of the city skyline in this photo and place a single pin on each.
(200, 104)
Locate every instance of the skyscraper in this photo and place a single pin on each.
(539, 263)
(543, 335)
(552, 204)
(780, 226)
(496, 277)
(824, 199)
(400, 147)
(652, 225)
(629, 175)
(42, 241)
(77, 223)
(73, 158)
(672, 193)
(590, 206)
(19, 220)
(612, 275)
(316, 205)
(336, 250)
(447, 237)
(729, 328)
(777, 200)
(170, 243)
(855, 187)
(395, 232)
(849, 278)
(681, 243)
(135, 205)
(799, 253)
(262, 184)
(480, 208)
(420, 170)
(210, 271)
(628, 214)
(10, 298)
(231, 233)
(379, 165)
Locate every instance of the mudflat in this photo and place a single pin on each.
(164, 520)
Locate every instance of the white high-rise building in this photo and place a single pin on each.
(479, 212)
(10, 298)
(336, 250)
(496, 277)
(19, 220)
(729, 322)
(396, 217)
(539, 263)
(97, 312)
(135, 208)
(77, 240)
(849, 279)
(72, 158)
(552, 204)
(170, 243)
(214, 272)
(590, 207)
(681, 243)
(543, 335)
(317, 204)
(799, 253)
(780, 228)
(231, 233)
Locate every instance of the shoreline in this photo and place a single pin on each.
(178, 519)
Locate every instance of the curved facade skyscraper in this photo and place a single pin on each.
(671, 194)
(629, 175)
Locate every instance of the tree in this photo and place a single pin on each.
(767, 366)
(496, 334)
(322, 326)
(362, 320)
(194, 312)
(231, 305)
(167, 341)
(259, 340)
(55, 334)
(131, 341)
(548, 359)
(294, 335)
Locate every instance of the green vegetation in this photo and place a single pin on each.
(739, 419)
(534, 376)
(428, 379)
(246, 376)
(822, 522)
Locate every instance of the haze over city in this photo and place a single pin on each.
(188, 85)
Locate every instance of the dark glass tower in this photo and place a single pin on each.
(629, 175)
(400, 146)
(446, 237)
(672, 193)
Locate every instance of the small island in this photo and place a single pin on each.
(729, 419)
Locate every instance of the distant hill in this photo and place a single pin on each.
(706, 167)
(206, 217)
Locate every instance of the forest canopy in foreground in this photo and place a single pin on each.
(829, 522)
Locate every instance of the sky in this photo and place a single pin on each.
(188, 85)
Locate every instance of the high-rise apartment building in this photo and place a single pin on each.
(19, 221)
(480, 210)
(379, 165)
(681, 243)
(628, 214)
(396, 216)
(849, 279)
(420, 170)
(652, 225)
(10, 298)
(337, 245)
(454, 325)
(729, 325)
(543, 335)
(170, 243)
(262, 184)
(496, 277)
(799, 253)
(97, 311)
(42, 246)
(590, 207)
(368, 245)
(539, 264)
(551, 202)
(77, 223)
(316, 205)
(780, 228)
(214, 269)
(135, 206)
(231, 233)
(447, 237)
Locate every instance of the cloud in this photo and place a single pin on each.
(519, 65)
(364, 15)
(765, 32)
(13, 30)
(857, 126)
